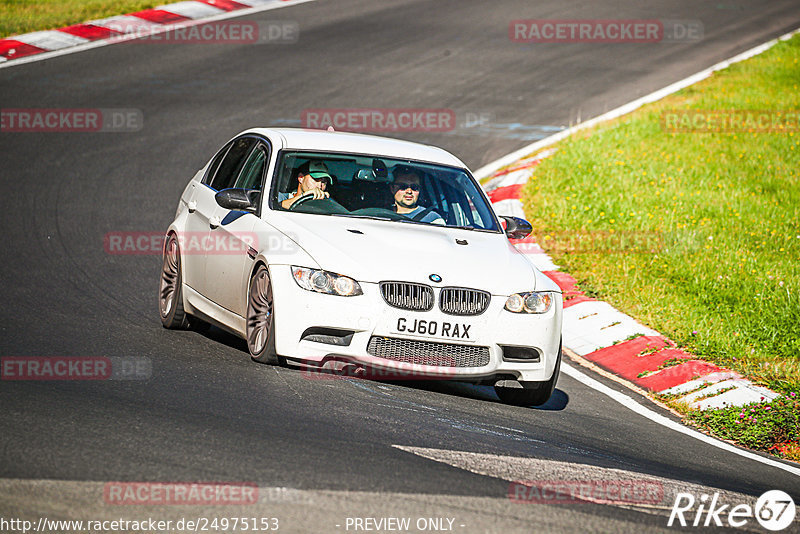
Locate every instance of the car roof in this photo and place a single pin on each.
(323, 140)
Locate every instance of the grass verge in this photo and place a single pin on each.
(23, 16)
(695, 234)
(771, 427)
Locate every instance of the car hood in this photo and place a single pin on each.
(374, 251)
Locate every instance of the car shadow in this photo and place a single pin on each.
(557, 402)
(223, 337)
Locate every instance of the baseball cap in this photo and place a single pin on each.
(317, 169)
(402, 169)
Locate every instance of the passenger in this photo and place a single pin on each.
(312, 179)
(405, 189)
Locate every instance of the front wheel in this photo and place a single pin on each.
(170, 290)
(531, 397)
(261, 318)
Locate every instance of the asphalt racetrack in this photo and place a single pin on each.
(321, 451)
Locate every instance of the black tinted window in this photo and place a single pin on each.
(253, 169)
(232, 163)
(212, 168)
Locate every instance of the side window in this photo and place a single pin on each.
(212, 168)
(232, 163)
(253, 169)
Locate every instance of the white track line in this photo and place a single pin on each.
(166, 27)
(508, 159)
(634, 406)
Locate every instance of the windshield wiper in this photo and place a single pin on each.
(372, 217)
(476, 229)
(471, 228)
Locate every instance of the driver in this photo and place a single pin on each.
(312, 179)
(405, 189)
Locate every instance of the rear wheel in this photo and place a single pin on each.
(170, 293)
(531, 397)
(261, 318)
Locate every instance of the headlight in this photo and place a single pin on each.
(325, 282)
(531, 302)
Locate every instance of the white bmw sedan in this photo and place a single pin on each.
(322, 248)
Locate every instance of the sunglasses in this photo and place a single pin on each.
(402, 186)
(322, 179)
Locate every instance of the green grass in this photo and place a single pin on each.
(722, 277)
(23, 16)
(771, 427)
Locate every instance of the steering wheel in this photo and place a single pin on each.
(421, 215)
(305, 197)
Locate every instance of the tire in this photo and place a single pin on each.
(531, 397)
(170, 289)
(260, 333)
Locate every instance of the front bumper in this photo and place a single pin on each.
(316, 328)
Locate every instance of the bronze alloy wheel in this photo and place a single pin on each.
(170, 296)
(261, 318)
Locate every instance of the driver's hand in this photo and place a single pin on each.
(319, 194)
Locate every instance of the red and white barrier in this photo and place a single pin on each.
(148, 21)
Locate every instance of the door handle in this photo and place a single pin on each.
(192, 205)
(213, 222)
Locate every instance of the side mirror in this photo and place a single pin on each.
(517, 228)
(238, 199)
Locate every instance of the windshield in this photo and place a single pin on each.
(365, 186)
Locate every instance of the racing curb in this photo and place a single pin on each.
(595, 330)
(117, 28)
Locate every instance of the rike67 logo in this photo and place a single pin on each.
(774, 511)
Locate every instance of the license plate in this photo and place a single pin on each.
(443, 329)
